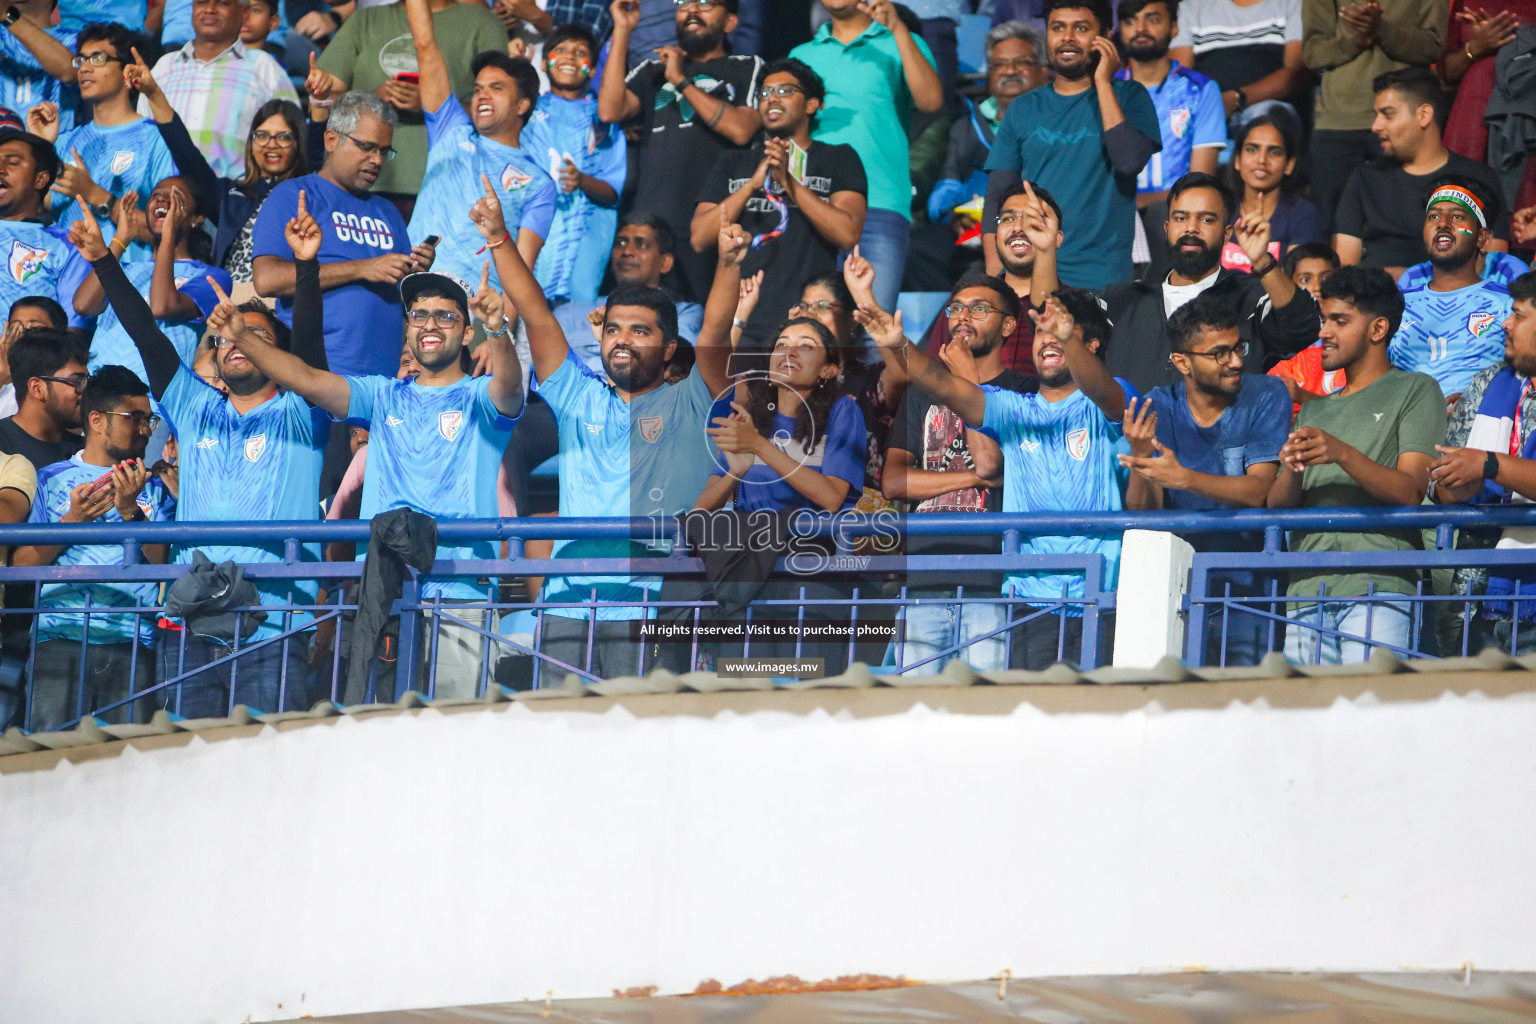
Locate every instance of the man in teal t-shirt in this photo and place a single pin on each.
(876, 72)
(1085, 138)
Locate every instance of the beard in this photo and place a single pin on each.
(65, 414)
(698, 41)
(779, 131)
(1457, 258)
(641, 373)
(1058, 378)
(447, 355)
(133, 451)
(244, 382)
(1194, 265)
(1148, 51)
(1021, 266)
(1076, 72)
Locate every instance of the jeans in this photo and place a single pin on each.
(1335, 156)
(884, 244)
(614, 651)
(1389, 623)
(111, 674)
(1046, 639)
(258, 676)
(930, 628)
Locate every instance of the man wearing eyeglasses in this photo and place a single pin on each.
(114, 151)
(48, 367)
(217, 84)
(106, 482)
(801, 201)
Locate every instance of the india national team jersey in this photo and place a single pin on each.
(111, 343)
(1498, 268)
(127, 157)
(576, 250)
(436, 450)
(24, 84)
(648, 457)
(1058, 457)
(1451, 335)
(260, 467)
(456, 157)
(54, 484)
(38, 261)
(1191, 116)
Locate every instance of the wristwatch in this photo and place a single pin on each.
(103, 211)
(12, 16)
(1271, 265)
(1491, 466)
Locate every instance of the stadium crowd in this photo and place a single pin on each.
(1197, 255)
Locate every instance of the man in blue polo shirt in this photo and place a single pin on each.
(1085, 137)
(877, 71)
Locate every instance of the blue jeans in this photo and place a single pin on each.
(884, 243)
(930, 628)
(1380, 621)
(259, 678)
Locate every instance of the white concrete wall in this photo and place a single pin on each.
(441, 859)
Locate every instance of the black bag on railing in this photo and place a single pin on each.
(204, 597)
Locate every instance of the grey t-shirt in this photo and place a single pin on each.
(1238, 45)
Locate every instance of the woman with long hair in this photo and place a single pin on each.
(1263, 169)
(274, 152)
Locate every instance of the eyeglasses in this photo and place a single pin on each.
(1017, 64)
(819, 306)
(975, 311)
(281, 138)
(785, 89)
(444, 318)
(141, 420)
(1224, 353)
(369, 148)
(96, 60)
(703, 5)
(219, 341)
(78, 383)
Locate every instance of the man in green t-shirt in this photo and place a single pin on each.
(1368, 445)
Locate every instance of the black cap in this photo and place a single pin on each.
(412, 285)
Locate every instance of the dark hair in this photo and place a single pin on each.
(432, 290)
(51, 309)
(43, 353)
(1371, 290)
(1098, 8)
(44, 157)
(1493, 203)
(1007, 298)
(122, 39)
(294, 119)
(653, 299)
(1088, 311)
(282, 337)
(519, 69)
(815, 408)
(665, 240)
(810, 81)
(1290, 137)
(199, 244)
(1205, 312)
(1017, 189)
(1131, 8)
(567, 33)
(834, 283)
(1199, 179)
(1523, 288)
(1417, 85)
(108, 386)
(683, 356)
(1309, 251)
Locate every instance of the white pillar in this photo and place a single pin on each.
(1154, 576)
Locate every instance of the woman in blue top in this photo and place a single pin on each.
(1263, 164)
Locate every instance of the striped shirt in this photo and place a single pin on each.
(218, 98)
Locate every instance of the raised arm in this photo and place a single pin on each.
(712, 348)
(967, 400)
(165, 301)
(286, 370)
(435, 86)
(1088, 371)
(506, 387)
(545, 338)
(308, 340)
(52, 56)
(615, 102)
(190, 161)
(726, 119)
(160, 359)
(90, 299)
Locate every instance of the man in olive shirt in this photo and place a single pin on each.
(1367, 445)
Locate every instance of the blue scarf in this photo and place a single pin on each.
(1492, 429)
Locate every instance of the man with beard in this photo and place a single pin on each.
(939, 464)
(1366, 445)
(105, 482)
(48, 370)
(435, 440)
(805, 199)
(1453, 323)
(1085, 138)
(1189, 110)
(692, 103)
(1211, 441)
(38, 256)
(253, 456)
(1028, 237)
(1274, 317)
(1489, 458)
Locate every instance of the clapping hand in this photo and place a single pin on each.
(1311, 447)
(1140, 427)
(735, 434)
(303, 233)
(1490, 31)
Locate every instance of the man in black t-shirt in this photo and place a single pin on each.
(48, 368)
(939, 464)
(1380, 219)
(691, 103)
(804, 199)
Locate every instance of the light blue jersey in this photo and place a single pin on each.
(24, 84)
(257, 468)
(1498, 268)
(1451, 335)
(647, 457)
(572, 317)
(38, 261)
(1058, 457)
(436, 450)
(456, 157)
(1191, 116)
(128, 157)
(77, 14)
(54, 484)
(111, 343)
(576, 250)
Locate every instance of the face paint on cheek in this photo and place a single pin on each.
(1466, 231)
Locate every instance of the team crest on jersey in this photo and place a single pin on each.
(25, 260)
(450, 423)
(1178, 121)
(254, 446)
(1478, 323)
(1077, 444)
(650, 428)
(122, 160)
(513, 179)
